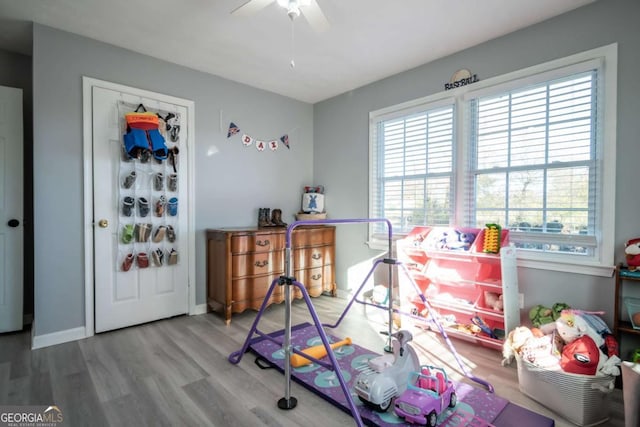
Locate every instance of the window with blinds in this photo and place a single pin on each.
(534, 163)
(414, 169)
(533, 151)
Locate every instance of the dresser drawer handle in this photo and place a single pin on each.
(316, 276)
(261, 263)
(316, 256)
(263, 242)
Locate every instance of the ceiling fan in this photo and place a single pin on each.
(308, 8)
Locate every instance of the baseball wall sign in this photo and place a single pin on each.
(461, 77)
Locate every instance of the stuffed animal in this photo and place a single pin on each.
(453, 239)
(541, 315)
(572, 326)
(493, 300)
(632, 253)
(516, 339)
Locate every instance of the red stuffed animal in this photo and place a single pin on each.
(632, 253)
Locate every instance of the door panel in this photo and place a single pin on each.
(125, 297)
(11, 210)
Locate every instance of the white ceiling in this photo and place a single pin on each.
(367, 40)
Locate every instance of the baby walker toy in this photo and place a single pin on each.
(384, 377)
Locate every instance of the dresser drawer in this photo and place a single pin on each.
(313, 236)
(315, 280)
(257, 242)
(250, 292)
(257, 263)
(317, 256)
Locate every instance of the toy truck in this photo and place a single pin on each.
(428, 394)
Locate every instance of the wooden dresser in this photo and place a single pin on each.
(242, 263)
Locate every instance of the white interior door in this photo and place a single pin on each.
(11, 209)
(132, 285)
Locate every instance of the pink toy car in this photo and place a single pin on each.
(428, 394)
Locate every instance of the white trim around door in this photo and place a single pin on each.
(87, 84)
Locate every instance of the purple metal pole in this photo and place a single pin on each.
(332, 357)
(444, 333)
(287, 400)
(237, 355)
(355, 295)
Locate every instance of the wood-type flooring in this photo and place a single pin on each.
(175, 372)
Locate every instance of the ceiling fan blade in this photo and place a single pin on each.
(250, 7)
(315, 17)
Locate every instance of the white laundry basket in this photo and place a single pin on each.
(581, 399)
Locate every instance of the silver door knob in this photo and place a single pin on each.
(103, 223)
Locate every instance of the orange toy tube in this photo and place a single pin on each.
(317, 351)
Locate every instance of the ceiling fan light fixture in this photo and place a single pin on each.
(290, 4)
(293, 6)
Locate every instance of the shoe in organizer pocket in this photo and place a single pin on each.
(158, 256)
(171, 234)
(127, 233)
(127, 206)
(142, 232)
(142, 259)
(158, 235)
(129, 180)
(158, 181)
(128, 261)
(172, 206)
(173, 257)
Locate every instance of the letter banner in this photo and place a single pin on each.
(285, 141)
(260, 144)
(233, 129)
(246, 140)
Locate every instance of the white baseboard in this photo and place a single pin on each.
(343, 293)
(199, 309)
(46, 340)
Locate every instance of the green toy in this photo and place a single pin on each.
(541, 315)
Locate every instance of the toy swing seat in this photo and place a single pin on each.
(280, 343)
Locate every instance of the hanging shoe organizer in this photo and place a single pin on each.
(148, 202)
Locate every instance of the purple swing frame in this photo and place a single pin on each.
(290, 402)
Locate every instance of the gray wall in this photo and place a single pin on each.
(15, 71)
(230, 185)
(329, 146)
(346, 175)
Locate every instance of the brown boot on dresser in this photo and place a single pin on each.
(276, 218)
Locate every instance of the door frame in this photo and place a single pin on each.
(87, 123)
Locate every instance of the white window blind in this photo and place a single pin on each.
(413, 168)
(534, 163)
